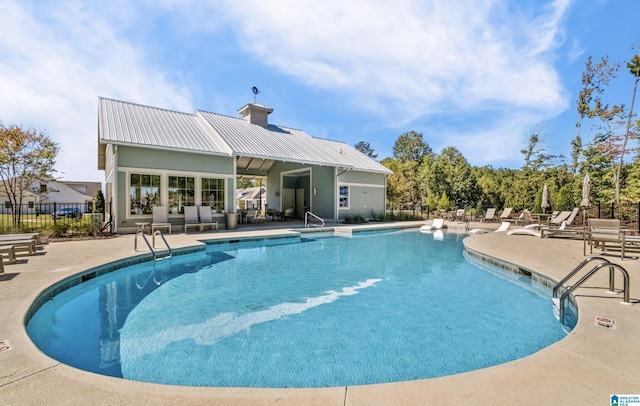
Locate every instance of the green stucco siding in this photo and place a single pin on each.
(365, 201)
(325, 198)
(173, 160)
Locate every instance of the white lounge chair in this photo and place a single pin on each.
(206, 219)
(504, 226)
(160, 219)
(437, 224)
(191, 218)
(540, 232)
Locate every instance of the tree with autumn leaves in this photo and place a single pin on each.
(27, 157)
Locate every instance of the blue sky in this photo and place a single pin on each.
(479, 75)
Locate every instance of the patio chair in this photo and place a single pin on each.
(251, 216)
(460, 215)
(206, 220)
(288, 213)
(160, 219)
(191, 218)
(437, 224)
(490, 215)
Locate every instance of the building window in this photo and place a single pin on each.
(213, 194)
(144, 191)
(43, 188)
(181, 193)
(7, 204)
(31, 205)
(344, 197)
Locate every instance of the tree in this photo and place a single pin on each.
(366, 149)
(400, 188)
(27, 157)
(453, 177)
(634, 69)
(410, 147)
(98, 203)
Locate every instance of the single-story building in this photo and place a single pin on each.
(157, 157)
(44, 197)
(252, 198)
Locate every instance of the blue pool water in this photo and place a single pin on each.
(312, 312)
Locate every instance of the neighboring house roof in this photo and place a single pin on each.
(62, 193)
(86, 188)
(56, 192)
(251, 193)
(133, 124)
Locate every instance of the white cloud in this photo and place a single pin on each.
(406, 60)
(400, 61)
(423, 58)
(54, 68)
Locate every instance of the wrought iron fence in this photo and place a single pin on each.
(51, 216)
(627, 212)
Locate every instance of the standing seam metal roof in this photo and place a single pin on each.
(129, 123)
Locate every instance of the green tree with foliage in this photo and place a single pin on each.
(634, 69)
(27, 157)
(410, 147)
(366, 149)
(444, 203)
(400, 188)
(98, 202)
(453, 177)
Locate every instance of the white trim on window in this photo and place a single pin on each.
(164, 189)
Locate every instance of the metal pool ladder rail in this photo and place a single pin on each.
(307, 223)
(560, 303)
(152, 246)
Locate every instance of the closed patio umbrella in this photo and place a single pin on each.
(545, 198)
(584, 203)
(586, 190)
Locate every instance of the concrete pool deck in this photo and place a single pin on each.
(586, 367)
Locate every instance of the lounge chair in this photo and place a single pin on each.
(490, 215)
(506, 213)
(460, 215)
(539, 232)
(523, 218)
(160, 219)
(191, 218)
(9, 250)
(504, 226)
(437, 224)
(572, 216)
(206, 219)
(20, 242)
(555, 221)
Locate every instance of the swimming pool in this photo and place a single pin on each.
(299, 312)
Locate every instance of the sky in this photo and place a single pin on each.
(478, 75)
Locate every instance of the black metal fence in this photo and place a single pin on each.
(52, 216)
(627, 212)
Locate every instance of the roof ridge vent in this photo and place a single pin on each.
(256, 113)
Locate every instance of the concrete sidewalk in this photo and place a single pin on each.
(586, 367)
